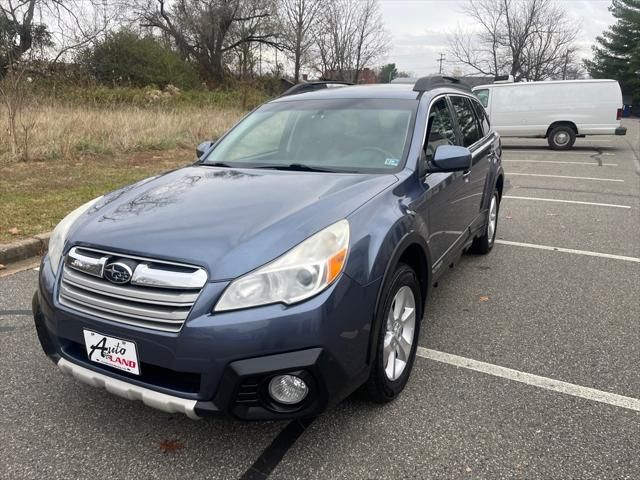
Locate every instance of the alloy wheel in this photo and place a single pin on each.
(400, 329)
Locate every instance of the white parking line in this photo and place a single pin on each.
(577, 202)
(549, 152)
(569, 250)
(564, 176)
(531, 379)
(591, 164)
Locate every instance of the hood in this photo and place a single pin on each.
(229, 221)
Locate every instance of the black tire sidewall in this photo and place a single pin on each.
(555, 131)
(482, 245)
(491, 241)
(380, 387)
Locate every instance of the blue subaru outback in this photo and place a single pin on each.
(288, 266)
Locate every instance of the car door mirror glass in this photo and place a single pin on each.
(203, 148)
(451, 158)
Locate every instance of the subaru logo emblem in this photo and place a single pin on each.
(118, 272)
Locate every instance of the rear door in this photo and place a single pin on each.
(472, 135)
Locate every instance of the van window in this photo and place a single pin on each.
(467, 120)
(441, 130)
(483, 96)
(482, 116)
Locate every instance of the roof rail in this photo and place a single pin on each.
(313, 86)
(429, 83)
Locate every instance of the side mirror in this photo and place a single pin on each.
(450, 158)
(203, 148)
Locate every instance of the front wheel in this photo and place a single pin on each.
(400, 315)
(484, 244)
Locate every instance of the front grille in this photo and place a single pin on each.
(162, 307)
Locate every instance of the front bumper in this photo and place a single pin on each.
(221, 363)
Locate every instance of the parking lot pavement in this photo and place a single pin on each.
(547, 316)
(454, 423)
(54, 427)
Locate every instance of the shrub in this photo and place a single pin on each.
(125, 58)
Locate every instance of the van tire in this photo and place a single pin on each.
(561, 137)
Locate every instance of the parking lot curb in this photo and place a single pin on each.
(24, 249)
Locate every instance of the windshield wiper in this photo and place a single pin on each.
(300, 167)
(218, 164)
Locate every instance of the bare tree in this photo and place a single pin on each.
(350, 35)
(34, 36)
(211, 31)
(529, 39)
(19, 32)
(299, 18)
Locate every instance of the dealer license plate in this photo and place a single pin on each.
(111, 351)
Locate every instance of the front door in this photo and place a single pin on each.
(443, 192)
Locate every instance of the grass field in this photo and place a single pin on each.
(79, 152)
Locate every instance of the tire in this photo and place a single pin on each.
(385, 384)
(483, 245)
(561, 138)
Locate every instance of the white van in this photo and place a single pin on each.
(559, 111)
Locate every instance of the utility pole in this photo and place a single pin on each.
(440, 61)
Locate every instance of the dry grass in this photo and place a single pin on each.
(67, 133)
(80, 153)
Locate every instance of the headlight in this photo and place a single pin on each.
(301, 273)
(59, 235)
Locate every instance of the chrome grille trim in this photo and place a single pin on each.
(162, 307)
(122, 308)
(175, 298)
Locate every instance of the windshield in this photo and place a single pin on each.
(349, 135)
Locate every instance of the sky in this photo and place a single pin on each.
(419, 29)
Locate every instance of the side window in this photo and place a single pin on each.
(483, 96)
(469, 125)
(482, 116)
(441, 130)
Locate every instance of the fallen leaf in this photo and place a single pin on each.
(2, 267)
(484, 298)
(14, 231)
(170, 446)
(467, 469)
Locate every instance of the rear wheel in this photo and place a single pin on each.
(561, 138)
(400, 312)
(484, 244)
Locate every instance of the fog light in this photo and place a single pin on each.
(288, 389)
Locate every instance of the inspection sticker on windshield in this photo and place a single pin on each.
(114, 352)
(392, 162)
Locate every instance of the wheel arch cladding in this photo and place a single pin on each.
(500, 185)
(415, 257)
